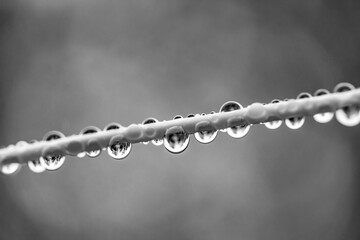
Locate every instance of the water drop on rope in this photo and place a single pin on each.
(150, 120)
(323, 117)
(119, 150)
(273, 124)
(297, 122)
(236, 131)
(90, 130)
(10, 168)
(176, 140)
(35, 166)
(349, 115)
(55, 161)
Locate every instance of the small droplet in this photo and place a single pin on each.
(52, 162)
(112, 126)
(119, 150)
(273, 124)
(81, 155)
(323, 117)
(35, 166)
(236, 131)
(176, 140)
(348, 116)
(93, 153)
(10, 168)
(297, 122)
(156, 142)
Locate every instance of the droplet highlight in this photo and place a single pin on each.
(176, 140)
(323, 117)
(236, 131)
(348, 116)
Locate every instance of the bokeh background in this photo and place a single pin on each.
(68, 64)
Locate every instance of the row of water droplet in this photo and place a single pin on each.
(176, 139)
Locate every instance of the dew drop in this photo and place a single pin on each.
(93, 153)
(323, 117)
(112, 126)
(150, 120)
(297, 122)
(35, 166)
(10, 168)
(273, 124)
(348, 116)
(52, 162)
(176, 140)
(205, 136)
(119, 150)
(236, 131)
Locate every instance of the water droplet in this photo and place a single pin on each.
(273, 124)
(35, 166)
(81, 155)
(297, 122)
(236, 131)
(323, 117)
(176, 140)
(112, 126)
(93, 153)
(119, 150)
(52, 162)
(348, 116)
(205, 136)
(10, 168)
(150, 120)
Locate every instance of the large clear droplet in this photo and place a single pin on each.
(323, 117)
(348, 116)
(52, 162)
(297, 122)
(273, 124)
(236, 131)
(150, 120)
(176, 140)
(10, 168)
(119, 150)
(93, 153)
(35, 166)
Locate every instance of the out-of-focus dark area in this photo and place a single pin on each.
(67, 64)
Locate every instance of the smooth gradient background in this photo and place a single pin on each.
(68, 64)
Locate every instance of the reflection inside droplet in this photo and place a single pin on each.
(236, 131)
(119, 150)
(35, 166)
(176, 141)
(55, 161)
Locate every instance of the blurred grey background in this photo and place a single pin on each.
(67, 64)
